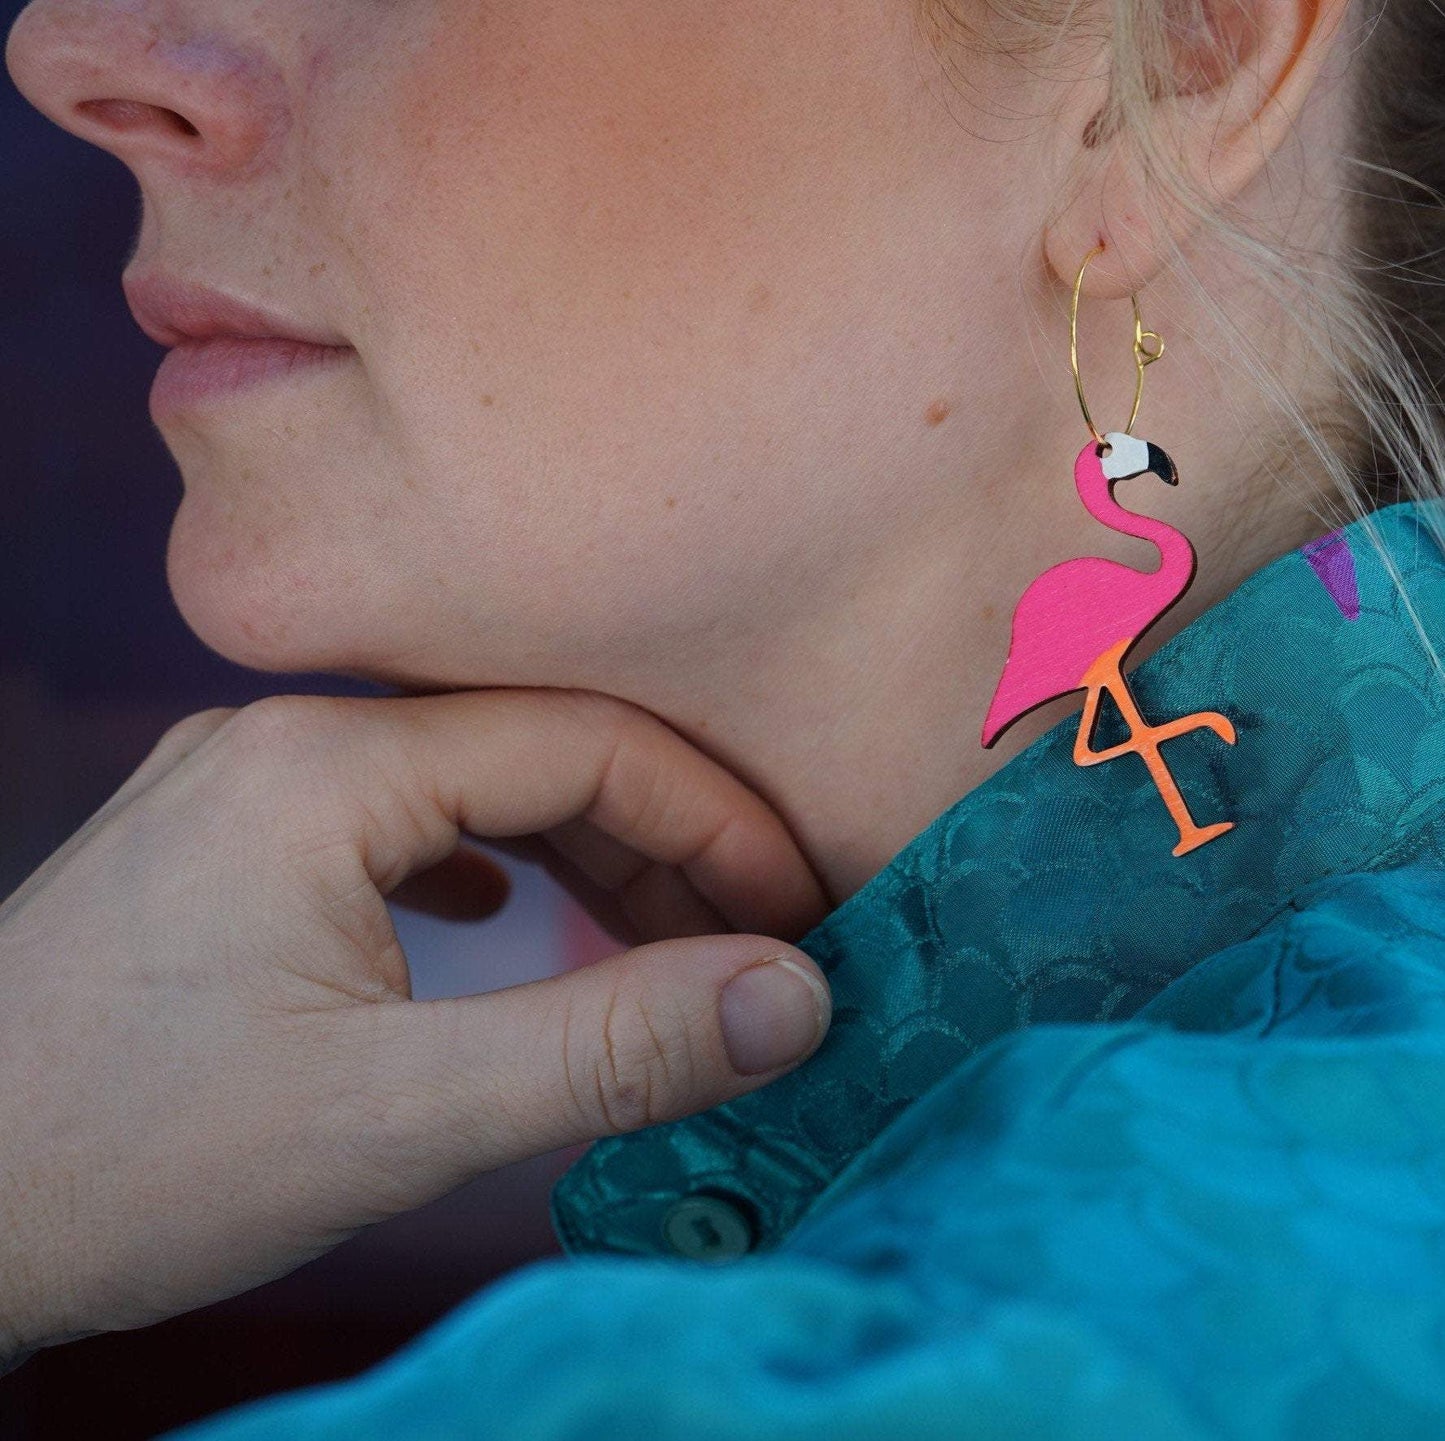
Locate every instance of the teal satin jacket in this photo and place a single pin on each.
(1103, 1142)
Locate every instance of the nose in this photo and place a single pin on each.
(125, 75)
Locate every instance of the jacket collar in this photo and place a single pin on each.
(1050, 892)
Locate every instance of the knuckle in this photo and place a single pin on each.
(632, 1075)
(635, 785)
(191, 730)
(597, 704)
(174, 746)
(597, 712)
(280, 758)
(284, 722)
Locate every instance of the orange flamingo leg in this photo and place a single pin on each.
(1144, 740)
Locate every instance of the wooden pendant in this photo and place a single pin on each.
(1075, 624)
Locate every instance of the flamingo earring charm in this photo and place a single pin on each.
(1074, 625)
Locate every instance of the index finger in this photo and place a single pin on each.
(404, 776)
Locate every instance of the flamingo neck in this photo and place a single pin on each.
(1096, 490)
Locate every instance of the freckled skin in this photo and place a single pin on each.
(647, 301)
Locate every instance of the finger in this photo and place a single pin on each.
(640, 901)
(636, 1039)
(598, 902)
(466, 886)
(398, 778)
(654, 900)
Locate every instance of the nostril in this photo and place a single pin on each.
(135, 115)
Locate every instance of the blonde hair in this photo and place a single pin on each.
(1368, 310)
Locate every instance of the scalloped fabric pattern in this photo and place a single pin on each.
(1049, 893)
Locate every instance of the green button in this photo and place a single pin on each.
(707, 1228)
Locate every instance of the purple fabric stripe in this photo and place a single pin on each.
(1330, 559)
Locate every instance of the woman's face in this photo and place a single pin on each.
(678, 327)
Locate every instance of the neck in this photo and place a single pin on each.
(856, 716)
(860, 726)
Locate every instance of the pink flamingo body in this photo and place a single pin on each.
(1076, 622)
(1075, 611)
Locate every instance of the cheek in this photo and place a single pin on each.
(607, 251)
(634, 289)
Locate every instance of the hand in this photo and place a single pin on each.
(211, 1069)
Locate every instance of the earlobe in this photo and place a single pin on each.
(1238, 74)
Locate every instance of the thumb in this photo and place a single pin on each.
(647, 1036)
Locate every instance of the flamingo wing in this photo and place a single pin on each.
(1066, 619)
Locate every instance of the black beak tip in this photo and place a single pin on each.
(1162, 466)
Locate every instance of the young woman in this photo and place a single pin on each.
(675, 403)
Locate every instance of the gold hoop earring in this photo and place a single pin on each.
(1143, 354)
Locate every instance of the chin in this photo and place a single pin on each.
(248, 600)
(292, 613)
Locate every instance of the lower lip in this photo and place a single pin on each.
(198, 370)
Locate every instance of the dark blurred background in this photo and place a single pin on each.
(96, 663)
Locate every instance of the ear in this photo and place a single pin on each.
(1238, 74)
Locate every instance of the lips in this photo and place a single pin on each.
(217, 344)
(172, 311)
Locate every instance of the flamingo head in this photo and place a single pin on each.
(1129, 456)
